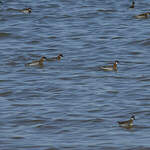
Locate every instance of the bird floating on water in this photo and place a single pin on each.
(37, 62)
(128, 123)
(26, 10)
(143, 16)
(133, 3)
(110, 68)
(55, 58)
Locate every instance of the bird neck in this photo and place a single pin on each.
(58, 57)
(115, 66)
(41, 60)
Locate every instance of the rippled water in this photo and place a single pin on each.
(72, 104)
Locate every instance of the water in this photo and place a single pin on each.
(71, 104)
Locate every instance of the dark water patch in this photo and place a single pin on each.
(93, 111)
(117, 37)
(12, 9)
(52, 148)
(4, 94)
(66, 16)
(107, 147)
(44, 127)
(28, 122)
(4, 35)
(3, 81)
(17, 137)
(3, 19)
(143, 79)
(113, 92)
(33, 42)
(135, 42)
(26, 105)
(135, 53)
(32, 147)
(106, 10)
(146, 42)
(88, 15)
(139, 148)
(76, 77)
(12, 63)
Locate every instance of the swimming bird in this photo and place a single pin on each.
(37, 62)
(110, 68)
(132, 6)
(143, 16)
(26, 10)
(128, 123)
(55, 58)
